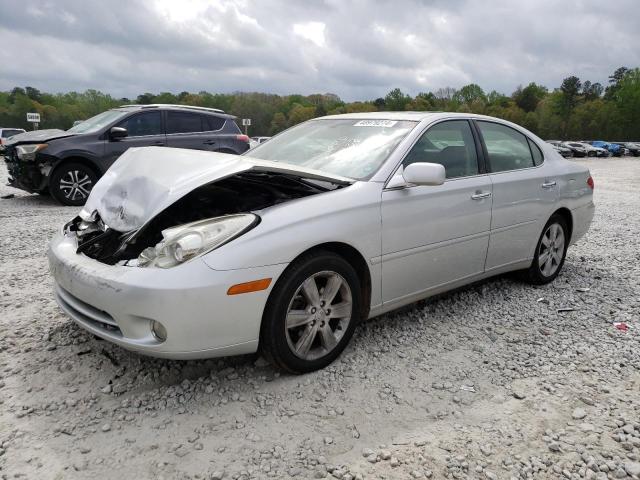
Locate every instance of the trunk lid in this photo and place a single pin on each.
(145, 181)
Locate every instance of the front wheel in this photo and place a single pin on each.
(71, 183)
(311, 313)
(551, 251)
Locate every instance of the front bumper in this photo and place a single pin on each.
(120, 303)
(27, 176)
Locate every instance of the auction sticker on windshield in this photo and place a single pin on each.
(375, 123)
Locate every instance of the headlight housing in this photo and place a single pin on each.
(184, 242)
(28, 152)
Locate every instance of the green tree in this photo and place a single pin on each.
(396, 101)
(628, 103)
(469, 94)
(300, 113)
(278, 123)
(527, 98)
(614, 82)
(591, 91)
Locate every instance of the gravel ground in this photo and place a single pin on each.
(487, 382)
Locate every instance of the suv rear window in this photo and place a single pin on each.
(183, 122)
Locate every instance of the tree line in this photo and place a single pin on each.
(577, 109)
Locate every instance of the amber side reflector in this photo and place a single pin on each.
(254, 286)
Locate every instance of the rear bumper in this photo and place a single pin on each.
(119, 304)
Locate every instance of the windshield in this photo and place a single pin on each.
(98, 122)
(350, 148)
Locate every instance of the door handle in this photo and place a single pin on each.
(549, 184)
(480, 195)
(158, 143)
(210, 142)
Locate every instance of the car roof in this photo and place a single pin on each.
(411, 116)
(169, 106)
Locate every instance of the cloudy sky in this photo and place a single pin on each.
(356, 49)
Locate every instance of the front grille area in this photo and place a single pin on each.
(84, 312)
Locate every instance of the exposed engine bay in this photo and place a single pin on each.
(244, 192)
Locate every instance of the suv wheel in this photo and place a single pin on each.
(71, 183)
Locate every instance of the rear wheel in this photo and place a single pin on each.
(550, 252)
(71, 183)
(311, 313)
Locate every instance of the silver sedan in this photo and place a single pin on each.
(187, 254)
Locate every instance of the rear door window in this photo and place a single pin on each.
(184, 122)
(508, 149)
(143, 124)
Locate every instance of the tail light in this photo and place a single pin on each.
(243, 138)
(1, 141)
(590, 182)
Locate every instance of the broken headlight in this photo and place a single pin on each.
(28, 152)
(185, 242)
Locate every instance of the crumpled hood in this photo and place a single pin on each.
(38, 136)
(144, 181)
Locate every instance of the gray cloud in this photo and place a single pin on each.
(357, 49)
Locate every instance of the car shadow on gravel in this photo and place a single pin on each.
(114, 365)
(23, 199)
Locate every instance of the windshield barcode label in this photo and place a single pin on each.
(375, 123)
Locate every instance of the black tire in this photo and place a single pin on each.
(276, 339)
(67, 191)
(536, 272)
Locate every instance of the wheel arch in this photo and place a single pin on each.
(356, 260)
(79, 159)
(565, 213)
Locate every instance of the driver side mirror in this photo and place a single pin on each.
(117, 132)
(419, 173)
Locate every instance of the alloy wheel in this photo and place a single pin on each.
(76, 185)
(318, 315)
(551, 250)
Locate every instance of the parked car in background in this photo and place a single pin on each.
(590, 149)
(577, 149)
(562, 150)
(186, 254)
(631, 148)
(6, 133)
(601, 152)
(255, 141)
(612, 148)
(68, 163)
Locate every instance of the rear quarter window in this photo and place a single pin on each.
(538, 157)
(212, 123)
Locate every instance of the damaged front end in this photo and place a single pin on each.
(159, 207)
(200, 221)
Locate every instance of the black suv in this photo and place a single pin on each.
(68, 163)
